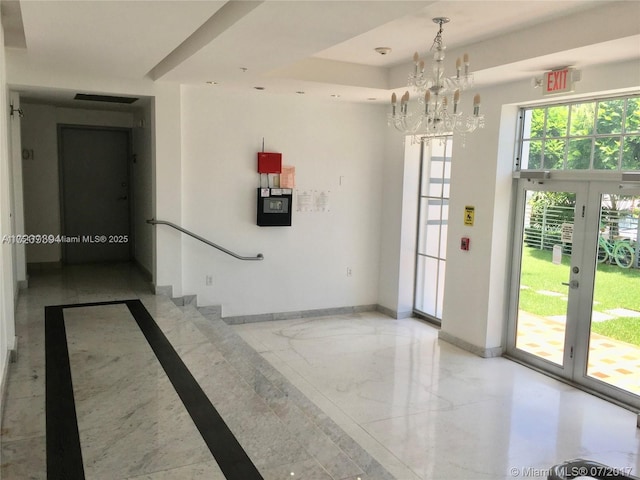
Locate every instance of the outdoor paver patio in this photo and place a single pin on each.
(612, 361)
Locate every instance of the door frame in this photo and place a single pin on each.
(129, 134)
(566, 370)
(583, 329)
(584, 252)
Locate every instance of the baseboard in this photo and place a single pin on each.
(212, 312)
(13, 351)
(43, 266)
(394, 313)
(185, 300)
(3, 383)
(321, 312)
(469, 347)
(145, 273)
(166, 290)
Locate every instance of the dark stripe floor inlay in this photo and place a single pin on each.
(64, 453)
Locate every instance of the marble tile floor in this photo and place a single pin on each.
(418, 403)
(344, 397)
(130, 419)
(131, 423)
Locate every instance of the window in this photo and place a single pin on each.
(596, 135)
(432, 227)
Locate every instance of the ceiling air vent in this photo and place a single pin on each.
(104, 98)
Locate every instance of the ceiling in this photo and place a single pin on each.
(320, 48)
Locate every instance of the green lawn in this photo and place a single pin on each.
(615, 288)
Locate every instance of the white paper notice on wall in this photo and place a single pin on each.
(304, 200)
(322, 201)
(313, 201)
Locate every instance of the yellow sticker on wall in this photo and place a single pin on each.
(469, 215)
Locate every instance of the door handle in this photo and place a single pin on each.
(123, 198)
(571, 284)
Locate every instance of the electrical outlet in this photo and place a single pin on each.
(349, 272)
(208, 280)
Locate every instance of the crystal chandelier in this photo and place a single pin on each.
(438, 98)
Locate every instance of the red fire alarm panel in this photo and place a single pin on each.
(465, 243)
(269, 162)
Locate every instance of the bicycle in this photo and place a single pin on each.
(619, 251)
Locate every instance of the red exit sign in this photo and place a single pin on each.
(558, 81)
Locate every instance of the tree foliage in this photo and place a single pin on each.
(561, 202)
(569, 136)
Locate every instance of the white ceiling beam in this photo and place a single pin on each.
(221, 21)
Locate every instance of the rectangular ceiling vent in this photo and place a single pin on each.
(104, 98)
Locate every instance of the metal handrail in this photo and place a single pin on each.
(204, 240)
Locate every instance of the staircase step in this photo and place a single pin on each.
(270, 417)
(212, 312)
(185, 300)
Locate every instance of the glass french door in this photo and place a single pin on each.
(609, 353)
(575, 305)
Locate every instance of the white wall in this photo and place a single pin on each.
(40, 173)
(40, 177)
(167, 188)
(8, 282)
(391, 220)
(336, 148)
(409, 228)
(15, 148)
(399, 218)
(142, 182)
(476, 296)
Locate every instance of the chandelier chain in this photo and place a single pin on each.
(438, 38)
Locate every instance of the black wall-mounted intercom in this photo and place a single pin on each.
(274, 207)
